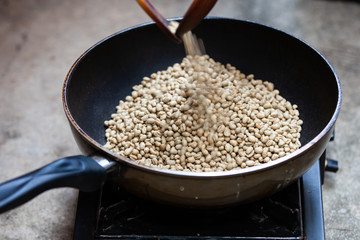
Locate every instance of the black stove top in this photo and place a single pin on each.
(294, 213)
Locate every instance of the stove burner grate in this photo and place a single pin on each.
(126, 215)
(294, 213)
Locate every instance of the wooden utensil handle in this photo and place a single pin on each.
(160, 21)
(196, 12)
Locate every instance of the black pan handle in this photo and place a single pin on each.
(79, 172)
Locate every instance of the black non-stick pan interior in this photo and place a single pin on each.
(107, 72)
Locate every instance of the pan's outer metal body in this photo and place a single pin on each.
(107, 71)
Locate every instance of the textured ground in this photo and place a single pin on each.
(40, 39)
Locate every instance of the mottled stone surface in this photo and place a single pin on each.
(40, 39)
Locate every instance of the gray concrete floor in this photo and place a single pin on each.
(40, 39)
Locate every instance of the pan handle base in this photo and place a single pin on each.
(79, 172)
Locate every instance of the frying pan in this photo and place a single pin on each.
(106, 72)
